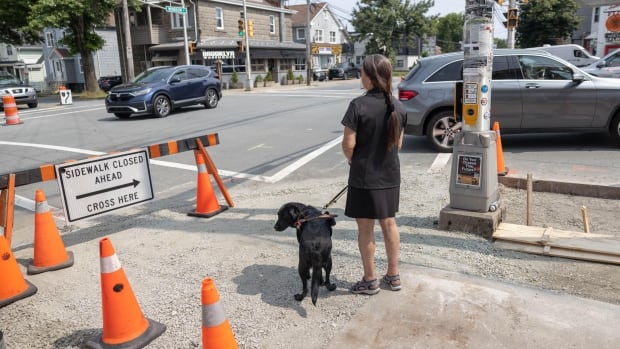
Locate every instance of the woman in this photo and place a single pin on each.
(373, 134)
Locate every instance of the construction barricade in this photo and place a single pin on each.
(11, 113)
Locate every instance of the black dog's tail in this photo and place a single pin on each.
(317, 271)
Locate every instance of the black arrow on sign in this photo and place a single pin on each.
(135, 183)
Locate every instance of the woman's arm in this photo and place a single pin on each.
(348, 143)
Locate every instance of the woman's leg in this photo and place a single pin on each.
(366, 244)
(391, 236)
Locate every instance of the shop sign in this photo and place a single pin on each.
(218, 54)
(612, 37)
(325, 50)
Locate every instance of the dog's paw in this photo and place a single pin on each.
(331, 287)
(300, 296)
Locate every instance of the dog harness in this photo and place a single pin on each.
(303, 220)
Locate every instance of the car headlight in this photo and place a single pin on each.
(142, 92)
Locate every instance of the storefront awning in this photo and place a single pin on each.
(276, 54)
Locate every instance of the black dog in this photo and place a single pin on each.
(314, 234)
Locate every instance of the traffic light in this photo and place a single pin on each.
(513, 18)
(250, 28)
(241, 23)
(192, 47)
(240, 46)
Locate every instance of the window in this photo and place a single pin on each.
(501, 69)
(177, 20)
(301, 34)
(272, 24)
(9, 50)
(300, 64)
(450, 72)
(332, 36)
(318, 35)
(597, 14)
(613, 60)
(399, 63)
(49, 37)
(543, 68)
(219, 18)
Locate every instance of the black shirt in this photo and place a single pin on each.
(373, 166)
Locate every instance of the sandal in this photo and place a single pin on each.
(392, 281)
(366, 287)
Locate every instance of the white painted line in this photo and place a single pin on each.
(440, 162)
(61, 114)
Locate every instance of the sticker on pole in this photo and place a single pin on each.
(95, 186)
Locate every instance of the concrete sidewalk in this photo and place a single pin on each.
(440, 309)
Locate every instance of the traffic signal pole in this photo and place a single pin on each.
(248, 64)
(511, 23)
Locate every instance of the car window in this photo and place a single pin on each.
(180, 74)
(193, 73)
(153, 75)
(450, 72)
(502, 69)
(613, 60)
(544, 68)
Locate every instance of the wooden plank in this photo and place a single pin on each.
(578, 241)
(557, 252)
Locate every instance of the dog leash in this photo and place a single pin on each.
(333, 201)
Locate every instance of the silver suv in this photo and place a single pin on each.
(532, 91)
(23, 93)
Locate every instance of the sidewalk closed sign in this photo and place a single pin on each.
(94, 186)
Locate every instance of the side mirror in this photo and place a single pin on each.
(175, 79)
(578, 77)
(600, 64)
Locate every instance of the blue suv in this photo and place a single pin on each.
(160, 90)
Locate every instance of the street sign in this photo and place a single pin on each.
(176, 9)
(94, 186)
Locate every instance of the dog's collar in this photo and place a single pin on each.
(303, 220)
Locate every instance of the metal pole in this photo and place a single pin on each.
(510, 40)
(308, 46)
(185, 45)
(128, 52)
(248, 64)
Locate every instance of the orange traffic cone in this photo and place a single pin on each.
(10, 111)
(216, 330)
(206, 201)
(124, 325)
(501, 167)
(49, 250)
(13, 286)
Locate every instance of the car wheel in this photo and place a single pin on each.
(122, 115)
(614, 129)
(161, 106)
(210, 98)
(33, 105)
(441, 129)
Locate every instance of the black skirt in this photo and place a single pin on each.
(372, 203)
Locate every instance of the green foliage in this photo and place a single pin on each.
(259, 78)
(546, 22)
(234, 78)
(500, 43)
(289, 74)
(268, 76)
(14, 22)
(389, 24)
(450, 32)
(300, 78)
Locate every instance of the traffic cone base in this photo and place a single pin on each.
(208, 214)
(13, 286)
(33, 269)
(154, 330)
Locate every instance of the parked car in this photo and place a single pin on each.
(532, 91)
(107, 82)
(344, 70)
(22, 92)
(607, 67)
(160, 90)
(572, 53)
(318, 74)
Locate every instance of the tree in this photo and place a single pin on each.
(546, 22)
(387, 24)
(13, 23)
(450, 32)
(78, 18)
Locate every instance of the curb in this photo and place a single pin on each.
(567, 188)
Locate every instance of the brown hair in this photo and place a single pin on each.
(379, 70)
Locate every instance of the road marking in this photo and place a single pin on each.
(60, 114)
(440, 162)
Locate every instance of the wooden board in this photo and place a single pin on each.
(559, 243)
(562, 239)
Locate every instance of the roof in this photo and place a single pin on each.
(301, 17)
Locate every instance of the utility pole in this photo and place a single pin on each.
(128, 44)
(511, 23)
(248, 64)
(308, 46)
(185, 46)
